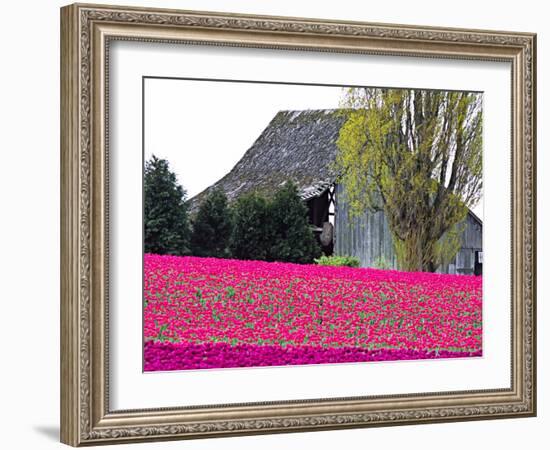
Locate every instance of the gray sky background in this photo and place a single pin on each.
(203, 128)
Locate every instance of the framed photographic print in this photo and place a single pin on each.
(275, 224)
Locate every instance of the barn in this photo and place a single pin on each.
(300, 146)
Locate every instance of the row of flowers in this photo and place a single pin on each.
(160, 356)
(295, 310)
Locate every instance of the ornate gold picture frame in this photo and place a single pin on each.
(87, 32)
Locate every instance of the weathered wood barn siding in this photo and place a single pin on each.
(472, 242)
(368, 237)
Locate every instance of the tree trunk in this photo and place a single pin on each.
(416, 253)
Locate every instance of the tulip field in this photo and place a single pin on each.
(204, 313)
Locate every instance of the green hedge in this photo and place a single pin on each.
(348, 261)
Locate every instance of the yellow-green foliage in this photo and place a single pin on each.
(417, 155)
(448, 246)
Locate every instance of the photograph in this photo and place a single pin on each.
(293, 224)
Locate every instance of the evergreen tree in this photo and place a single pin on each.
(165, 221)
(212, 227)
(252, 228)
(293, 238)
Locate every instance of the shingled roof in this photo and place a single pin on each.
(297, 146)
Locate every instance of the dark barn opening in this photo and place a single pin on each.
(321, 218)
(478, 265)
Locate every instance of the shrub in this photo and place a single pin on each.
(348, 261)
(293, 239)
(252, 228)
(212, 227)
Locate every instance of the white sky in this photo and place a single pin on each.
(203, 127)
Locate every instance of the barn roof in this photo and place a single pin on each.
(475, 217)
(297, 146)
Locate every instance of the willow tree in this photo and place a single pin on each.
(417, 156)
